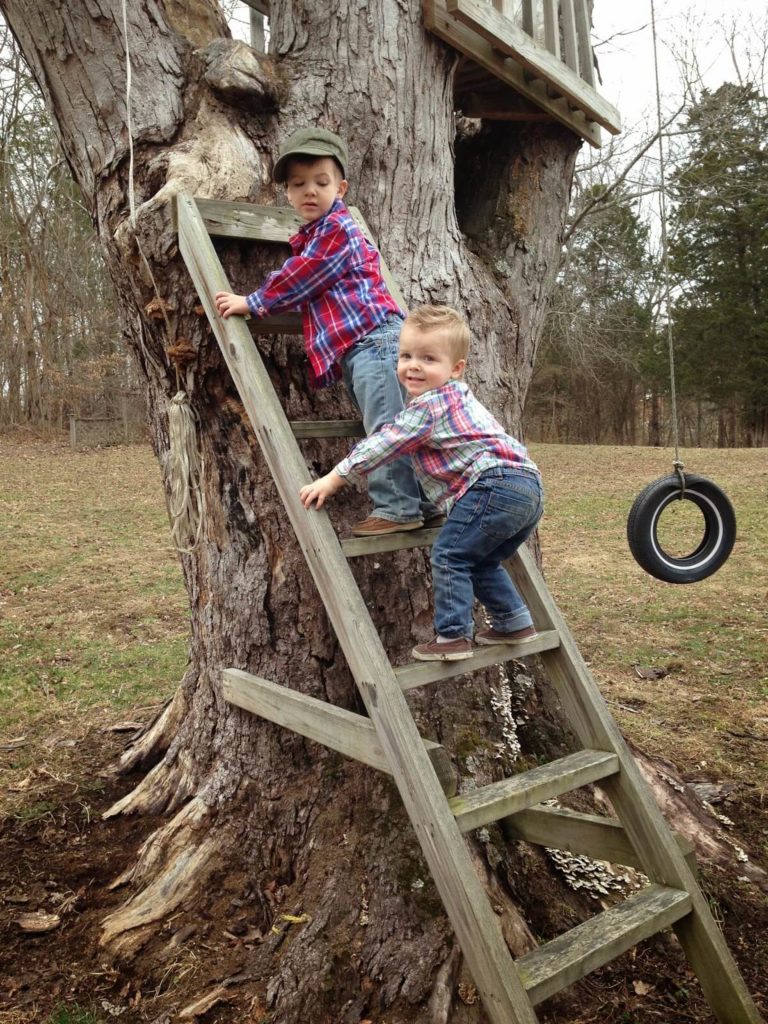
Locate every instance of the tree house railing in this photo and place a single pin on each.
(538, 49)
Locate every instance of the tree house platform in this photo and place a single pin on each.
(524, 60)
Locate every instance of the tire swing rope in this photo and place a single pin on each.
(186, 505)
(643, 520)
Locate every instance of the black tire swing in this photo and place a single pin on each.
(719, 534)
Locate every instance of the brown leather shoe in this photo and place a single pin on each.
(450, 650)
(518, 636)
(375, 526)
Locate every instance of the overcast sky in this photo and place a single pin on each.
(622, 32)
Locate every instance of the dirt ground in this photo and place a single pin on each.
(61, 860)
(58, 858)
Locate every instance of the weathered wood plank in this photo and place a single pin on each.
(570, 41)
(334, 727)
(327, 428)
(588, 834)
(419, 673)
(248, 220)
(500, 799)
(394, 287)
(354, 547)
(584, 42)
(529, 22)
(571, 956)
(552, 27)
(634, 804)
(506, 37)
(477, 927)
(262, 6)
(283, 323)
(258, 31)
(466, 41)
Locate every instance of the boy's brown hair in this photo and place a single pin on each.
(447, 320)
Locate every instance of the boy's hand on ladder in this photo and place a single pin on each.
(228, 304)
(321, 489)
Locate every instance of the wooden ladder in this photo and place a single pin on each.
(388, 738)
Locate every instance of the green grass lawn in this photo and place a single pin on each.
(94, 617)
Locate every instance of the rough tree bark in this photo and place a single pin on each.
(472, 217)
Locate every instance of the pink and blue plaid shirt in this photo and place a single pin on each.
(334, 279)
(452, 440)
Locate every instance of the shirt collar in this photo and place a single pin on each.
(307, 229)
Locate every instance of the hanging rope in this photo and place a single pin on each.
(185, 465)
(665, 258)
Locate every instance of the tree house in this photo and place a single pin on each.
(521, 60)
(525, 60)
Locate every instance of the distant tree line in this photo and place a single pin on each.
(602, 373)
(60, 349)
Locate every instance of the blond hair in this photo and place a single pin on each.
(452, 324)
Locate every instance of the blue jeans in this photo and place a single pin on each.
(370, 374)
(486, 525)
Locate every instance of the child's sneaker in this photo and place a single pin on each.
(447, 650)
(495, 636)
(375, 526)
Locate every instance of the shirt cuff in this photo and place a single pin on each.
(345, 468)
(256, 305)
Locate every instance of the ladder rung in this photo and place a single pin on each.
(418, 673)
(327, 428)
(282, 323)
(500, 799)
(571, 956)
(355, 546)
(589, 834)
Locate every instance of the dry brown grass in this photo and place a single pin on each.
(710, 712)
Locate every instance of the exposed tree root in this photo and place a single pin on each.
(441, 1000)
(156, 738)
(517, 935)
(177, 861)
(162, 790)
(693, 818)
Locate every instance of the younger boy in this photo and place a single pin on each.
(468, 466)
(351, 322)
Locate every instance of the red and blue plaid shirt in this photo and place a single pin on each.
(452, 440)
(334, 279)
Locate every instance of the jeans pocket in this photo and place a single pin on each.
(513, 505)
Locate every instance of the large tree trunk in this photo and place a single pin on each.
(281, 823)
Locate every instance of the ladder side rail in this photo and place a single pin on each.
(445, 851)
(635, 806)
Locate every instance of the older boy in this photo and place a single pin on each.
(351, 322)
(467, 465)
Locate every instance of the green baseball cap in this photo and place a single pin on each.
(310, 142)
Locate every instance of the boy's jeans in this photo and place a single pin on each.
(370, 374)
(486, 525)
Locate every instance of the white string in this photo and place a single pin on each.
(665, 247)
(185, 464)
